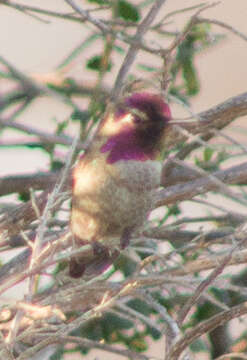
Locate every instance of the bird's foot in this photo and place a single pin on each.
(125, 238)
(100, 249)
(63, 278)
(76, 268)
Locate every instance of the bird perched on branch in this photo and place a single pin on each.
(115, 179)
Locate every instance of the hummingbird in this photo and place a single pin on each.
(114, 181)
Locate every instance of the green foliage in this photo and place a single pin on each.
(24, 196)
(140, 306)
(211, 159)
(58, 354)
(62, 126)
(126, 265)
(95, 63)
(127, 11)
(198, 346)
(82, 116)
(197, 40)
(99, 2)
(207, 154)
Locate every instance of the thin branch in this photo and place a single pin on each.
(89, 344)
(142, 28)
(186, 191)
(232, 355)
(193, 20)
(23, 183)
(42, 135)
(203, 327)
(86, 16)
(217, 117)
(222, 24)
(202, 288)
(46, 213)
(23, 8)
(208, 263)
(95, 312)
(138, 315)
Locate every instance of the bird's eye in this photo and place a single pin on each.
(139, 116)
(137, 120)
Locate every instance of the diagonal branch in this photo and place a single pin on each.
(204, 327)
(133, 50)
(217, 117)
(185, 191)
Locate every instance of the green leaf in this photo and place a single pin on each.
(137, 343)
(95, 63)
(208, 153)
(99, 2)
(128, 11)
(154, 333)
(198, 346)
(140, 306)
(174, 210)
(176, 92)
(119, 49)
(185, 62)
(56, 165)
(114, 322)
(58, 355)
(147, 68)
(126, 265)
(61, 127)
(24, 196)
(190, 77)
(82, 116)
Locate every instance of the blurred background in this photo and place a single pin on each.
(37, 48)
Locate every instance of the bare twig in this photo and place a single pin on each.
(23, 183)
(186, 191)
(204, 327)
(61, 339)
(132, 52)
(50, 203)
(222, 24)
(232, 355)
(201, 288)
(44, 136)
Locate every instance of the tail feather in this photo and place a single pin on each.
(96, 266)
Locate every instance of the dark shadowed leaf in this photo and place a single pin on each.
(190, 77)
(95, 63)
(140, 306)
(198, 345)
(154, 333)
(82, 116)
(128, 11)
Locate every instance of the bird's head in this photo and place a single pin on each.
(136, 128)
